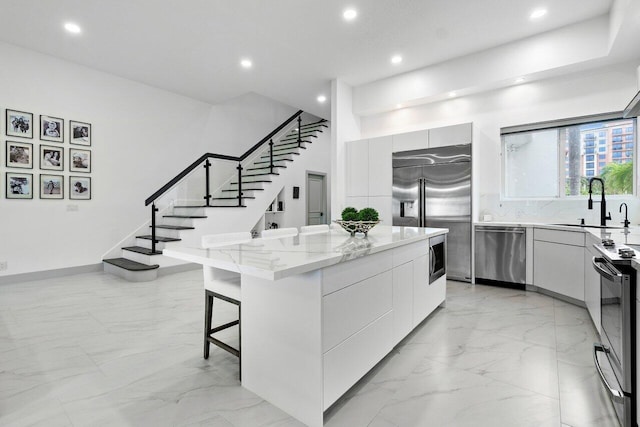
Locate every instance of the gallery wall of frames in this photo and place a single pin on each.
(49, 158)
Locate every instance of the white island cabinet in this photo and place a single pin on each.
(319, 311)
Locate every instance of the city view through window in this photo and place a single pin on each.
(557, 162)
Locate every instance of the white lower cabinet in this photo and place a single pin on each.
(402, 300)
(558, 266)
(591, 283)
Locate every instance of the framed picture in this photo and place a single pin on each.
(19, 185)
(19, 155)
(79, 133)
(79, 160)
(51, 158)
(19, 124)
(51, 129)
(79, 187)
(51, 186)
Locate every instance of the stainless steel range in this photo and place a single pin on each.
(615, 357)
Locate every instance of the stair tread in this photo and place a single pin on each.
(190, 206)
(267, 161)
(184, 216)
(130, 265)
(266, 167)
(243, 189)
(232, 198)
(228, 206)
(174, 227)
(249, 182)
(295, 153)
(141, 250)
(159, 238)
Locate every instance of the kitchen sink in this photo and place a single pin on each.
(587, 226)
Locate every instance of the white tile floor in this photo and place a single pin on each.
(94, 350)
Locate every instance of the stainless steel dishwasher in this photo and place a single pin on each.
(500, 254)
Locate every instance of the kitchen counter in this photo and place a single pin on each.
(279, 258)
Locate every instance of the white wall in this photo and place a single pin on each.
(590, 92)
(142, 137)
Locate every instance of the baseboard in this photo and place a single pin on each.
(48, 274)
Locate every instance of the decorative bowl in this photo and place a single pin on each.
(354, 227)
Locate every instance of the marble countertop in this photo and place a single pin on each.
(277, 258)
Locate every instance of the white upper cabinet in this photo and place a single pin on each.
(358, 168)
(380, 166)
(450, 135)
(411, 141)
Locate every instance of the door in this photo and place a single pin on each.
(406, 196)
(316, 199)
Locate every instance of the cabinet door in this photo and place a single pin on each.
(380, 166)
(418, 140)
(559, 268)
(358, 168)
(450, 135)
(592, 287)
(402, 301)
(421, 291)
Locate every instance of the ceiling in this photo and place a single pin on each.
(193, 47)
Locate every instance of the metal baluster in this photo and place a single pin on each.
(271, 155)
(153, 227)
(239, 184)
(207, 166)
(299, 131)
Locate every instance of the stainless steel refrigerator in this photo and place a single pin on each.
(432, 188)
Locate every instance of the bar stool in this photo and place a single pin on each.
(275, 233)
(314, 229)
(224, 285)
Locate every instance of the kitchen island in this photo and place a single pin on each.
(320, 310)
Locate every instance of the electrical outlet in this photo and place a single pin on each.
(3, 265)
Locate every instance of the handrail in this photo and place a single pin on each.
(206, 156)
(271, 135)
(185, 172)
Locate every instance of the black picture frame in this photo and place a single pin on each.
(19, 185)
(19, 124)
(79, 160)
(79, 188)
(51, 158)
(79, 133)
(19, 155)
(51, 129)
(51, 186)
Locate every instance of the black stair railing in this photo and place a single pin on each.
(207, 165)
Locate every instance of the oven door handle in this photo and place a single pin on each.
(614, 277)
(616, 395)
(432, 261)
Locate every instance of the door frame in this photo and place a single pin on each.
(326, 203)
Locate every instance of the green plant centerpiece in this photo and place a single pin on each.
(354, 221)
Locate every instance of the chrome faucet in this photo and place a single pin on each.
(603, 203)
(626, 209)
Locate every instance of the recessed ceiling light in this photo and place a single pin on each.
(519, 80)
(321, 98)
(72, 28)
(538, 13)
(452, 94)
(396, 59)
(350, 14)
(246, 63)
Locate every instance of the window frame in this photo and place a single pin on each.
(558, 125)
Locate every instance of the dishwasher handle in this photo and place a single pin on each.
(616, 395)
(501, 230)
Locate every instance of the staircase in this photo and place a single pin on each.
(256, 170)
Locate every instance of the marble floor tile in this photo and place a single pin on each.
(93, 349)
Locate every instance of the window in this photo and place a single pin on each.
(556, 159)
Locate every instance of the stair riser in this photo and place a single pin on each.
(162, 261)
(131, 276)
(185, 222)
(146, 243)
(283, 155)
(166, 233)
(231, 202)
(189, 211)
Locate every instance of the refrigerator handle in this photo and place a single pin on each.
(421, 202)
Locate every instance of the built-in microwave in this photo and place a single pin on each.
(437, 257)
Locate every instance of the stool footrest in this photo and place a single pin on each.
(224, 346)
(223, 327)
